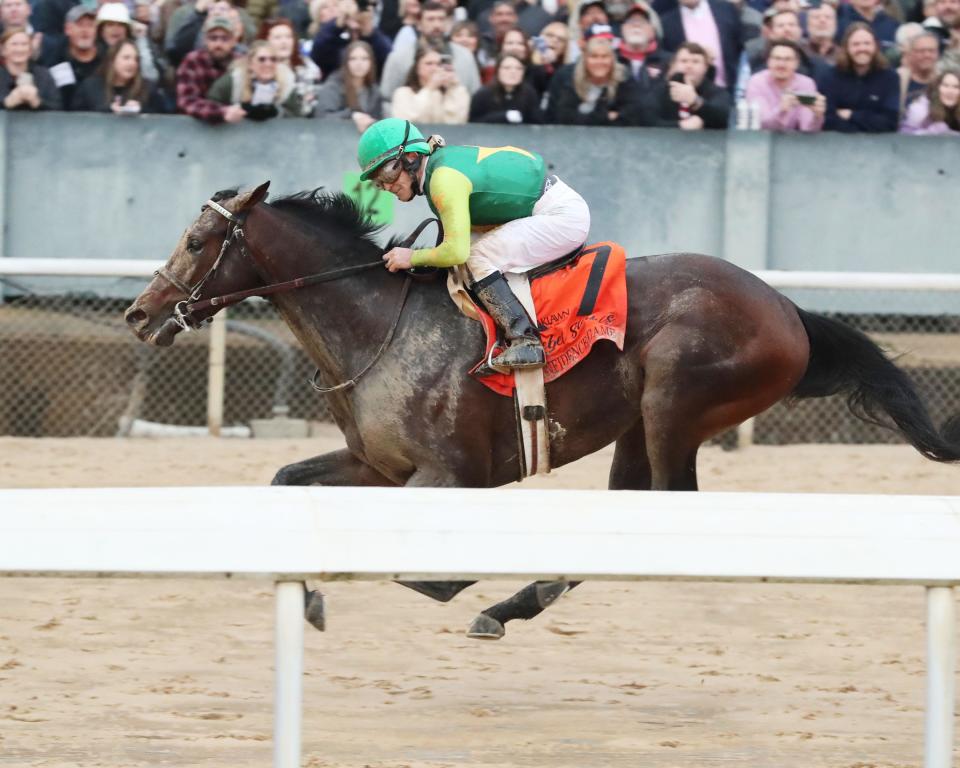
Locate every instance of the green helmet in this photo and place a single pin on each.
(385, 140)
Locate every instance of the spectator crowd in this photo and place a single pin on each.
(853, 66)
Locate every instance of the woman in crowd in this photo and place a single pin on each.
(863, 93)
(118, 86)
(281, 34)
(467, 35)
(352, 91)
(549, 53)
(596, 91)
(258, 83)
(938, 110)
(23, 84)
(788, 101)
(509, 99)
(432, 93)
(513, 42)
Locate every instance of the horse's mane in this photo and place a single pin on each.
(319, 209)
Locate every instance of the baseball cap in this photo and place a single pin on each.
(644, 8)
(116, 12)
(603, 31)
(78, 12)
(218, 22)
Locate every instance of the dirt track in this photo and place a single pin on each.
(134, 673)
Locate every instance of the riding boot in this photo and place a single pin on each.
(524, 349)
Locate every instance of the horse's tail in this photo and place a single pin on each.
(845, 361)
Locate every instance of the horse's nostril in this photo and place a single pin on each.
(135, 316)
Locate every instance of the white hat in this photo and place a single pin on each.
(116, 12)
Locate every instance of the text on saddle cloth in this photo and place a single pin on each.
(577, 306)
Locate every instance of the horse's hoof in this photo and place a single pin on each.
(314, 611)
(548, 592)
(486, 628)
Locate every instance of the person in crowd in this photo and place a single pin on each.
(502, 18)
(868, 12)
(920, 52)
(715, 26)
(938, 110)
(74, 57)
(297, 12)
(688, 98)
(788, 101)
(200, 69)
(433, 30)
(597, 90)
(114, 24)
(514, 42)
(185, 30)
(15, 14)
(352, 91)
(24, 84)
(259, 84)
(282, 36)
(509, 99)
(863, 93)
(945, 22)
(432, 94)
(466, 34)
(353, 22)
(589, 13)
(399, 19)
(821, 43)
(556, 50)
(321, 12)
(119, 87)
(640, 49)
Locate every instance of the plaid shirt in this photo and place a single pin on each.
(195, 75)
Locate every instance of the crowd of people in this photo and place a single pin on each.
(853, 66)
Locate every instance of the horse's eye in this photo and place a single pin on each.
(194, 245)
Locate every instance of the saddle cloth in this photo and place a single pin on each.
(576, 306)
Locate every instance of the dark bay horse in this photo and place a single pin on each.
(708, 345)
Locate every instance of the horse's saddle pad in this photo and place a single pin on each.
(577, 306)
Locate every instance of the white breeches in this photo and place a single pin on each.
(560, 223)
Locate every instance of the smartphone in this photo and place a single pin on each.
(807, 99)
(678, 77)
(446, 60)
(540, 44)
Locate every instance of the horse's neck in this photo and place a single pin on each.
(336, 322)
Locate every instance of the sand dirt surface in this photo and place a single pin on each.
(120, 673)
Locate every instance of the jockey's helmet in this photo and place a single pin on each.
(386, 140)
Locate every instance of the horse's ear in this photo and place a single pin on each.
(248, 200)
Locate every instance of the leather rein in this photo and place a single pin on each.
(183, 311)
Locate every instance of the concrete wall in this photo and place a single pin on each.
(101, 187)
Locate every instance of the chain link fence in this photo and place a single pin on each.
(69, 367)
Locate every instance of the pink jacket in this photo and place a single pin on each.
(762, 90)
(917, 120)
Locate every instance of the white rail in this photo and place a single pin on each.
(289, 534)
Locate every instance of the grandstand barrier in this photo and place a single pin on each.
(287, 535)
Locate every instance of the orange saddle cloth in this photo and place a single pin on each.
(577, 306)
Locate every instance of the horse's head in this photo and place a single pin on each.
(208, 261)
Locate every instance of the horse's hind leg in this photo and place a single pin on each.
(525, 604)
(630, 470)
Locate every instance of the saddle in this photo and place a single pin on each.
(579, 300)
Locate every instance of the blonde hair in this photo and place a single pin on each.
(581, 81)
(283, 75)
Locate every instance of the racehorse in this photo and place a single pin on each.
(707, 346)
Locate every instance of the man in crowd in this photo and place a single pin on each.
(715, 25)
(15, 13)
(869, 12)
(821, 42)
(591, 12)
(785, 25)
(72, 58)
(918, 64)
(199, 69)
(433, 29)
(185, 30)
(353, 22)
(639, 49)
(695, 102)
(946, 24)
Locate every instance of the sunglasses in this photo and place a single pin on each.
(265, 59)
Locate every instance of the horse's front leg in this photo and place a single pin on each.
(525, 604)
(335, 468)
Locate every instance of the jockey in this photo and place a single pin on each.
(526, 217)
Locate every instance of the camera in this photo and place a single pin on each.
(807, 99)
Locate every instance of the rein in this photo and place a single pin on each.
(183, 312)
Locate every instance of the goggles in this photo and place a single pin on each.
(387, 173)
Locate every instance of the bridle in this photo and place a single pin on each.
(183, 311)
